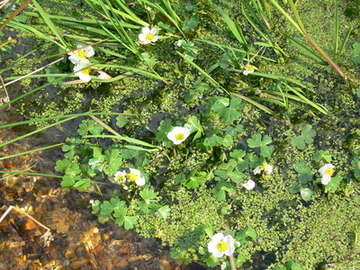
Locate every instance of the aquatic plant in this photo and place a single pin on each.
(231, 127)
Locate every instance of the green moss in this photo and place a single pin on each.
(191, 211)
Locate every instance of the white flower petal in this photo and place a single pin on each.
(249, 185)
(140, 181)
(145, 30)
(90, 51)
(258, 169)
(268, 168)
(325, 180)
(178, 134)
(217, 237)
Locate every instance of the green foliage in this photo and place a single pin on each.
(355, 53)
(306, 137)
(256, 141)
(194, 190)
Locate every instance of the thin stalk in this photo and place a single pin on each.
(60, 117)
(35, 71)
(29, 173)
(300, 27)
(31, 151)
(2, 26)
(35, 131)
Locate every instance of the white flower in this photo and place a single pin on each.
(103, 75)
(266, 168)
(249, 69)
(120, 177)
(179, 43)
(135, 176)
(249, 185)
(178, 134)
(220, 245)
(83, 72)
(148, 35)
(80, 56)
(326, 172)
(258, 169)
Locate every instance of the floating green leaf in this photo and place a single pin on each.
(306, 137)
(306, 193)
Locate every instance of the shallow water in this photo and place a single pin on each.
(79, 240)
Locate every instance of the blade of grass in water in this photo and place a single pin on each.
(50, 24)
(29, 173)
(31, 151)
(15, 13)
(31, 92)
(123, 138)
(336, 31)
(234, 28)
(60, 117)
(35, 131)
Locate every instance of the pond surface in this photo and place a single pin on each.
(79, 240)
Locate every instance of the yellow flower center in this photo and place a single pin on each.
(149, 37)
(250, 68)
(86, 71)
(132, 177)
(82, 54)
(329, 171)
(180, 136)
(120, 178)
(222, 246)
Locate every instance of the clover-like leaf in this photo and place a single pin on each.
(306, 193)
(257, 140)
(148, 195)
(129, 222)
(196, 181)
(90, 126)
(301, 167)
(62, 165)
(307, 133)
(220, 189)
(113, 161)
(322, 154)
(122, 120)
(164, 211)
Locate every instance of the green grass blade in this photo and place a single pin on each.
(31, 151)
(306, 49)
(136, 70)
(123, 138)
(234, 28)
(318, 107)
(29, 173)
(35, 131)
(253, 102)
(343, 43)
(31, 92)
(50, 24)
(336, 31)
(28, 28)
(59, 117)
